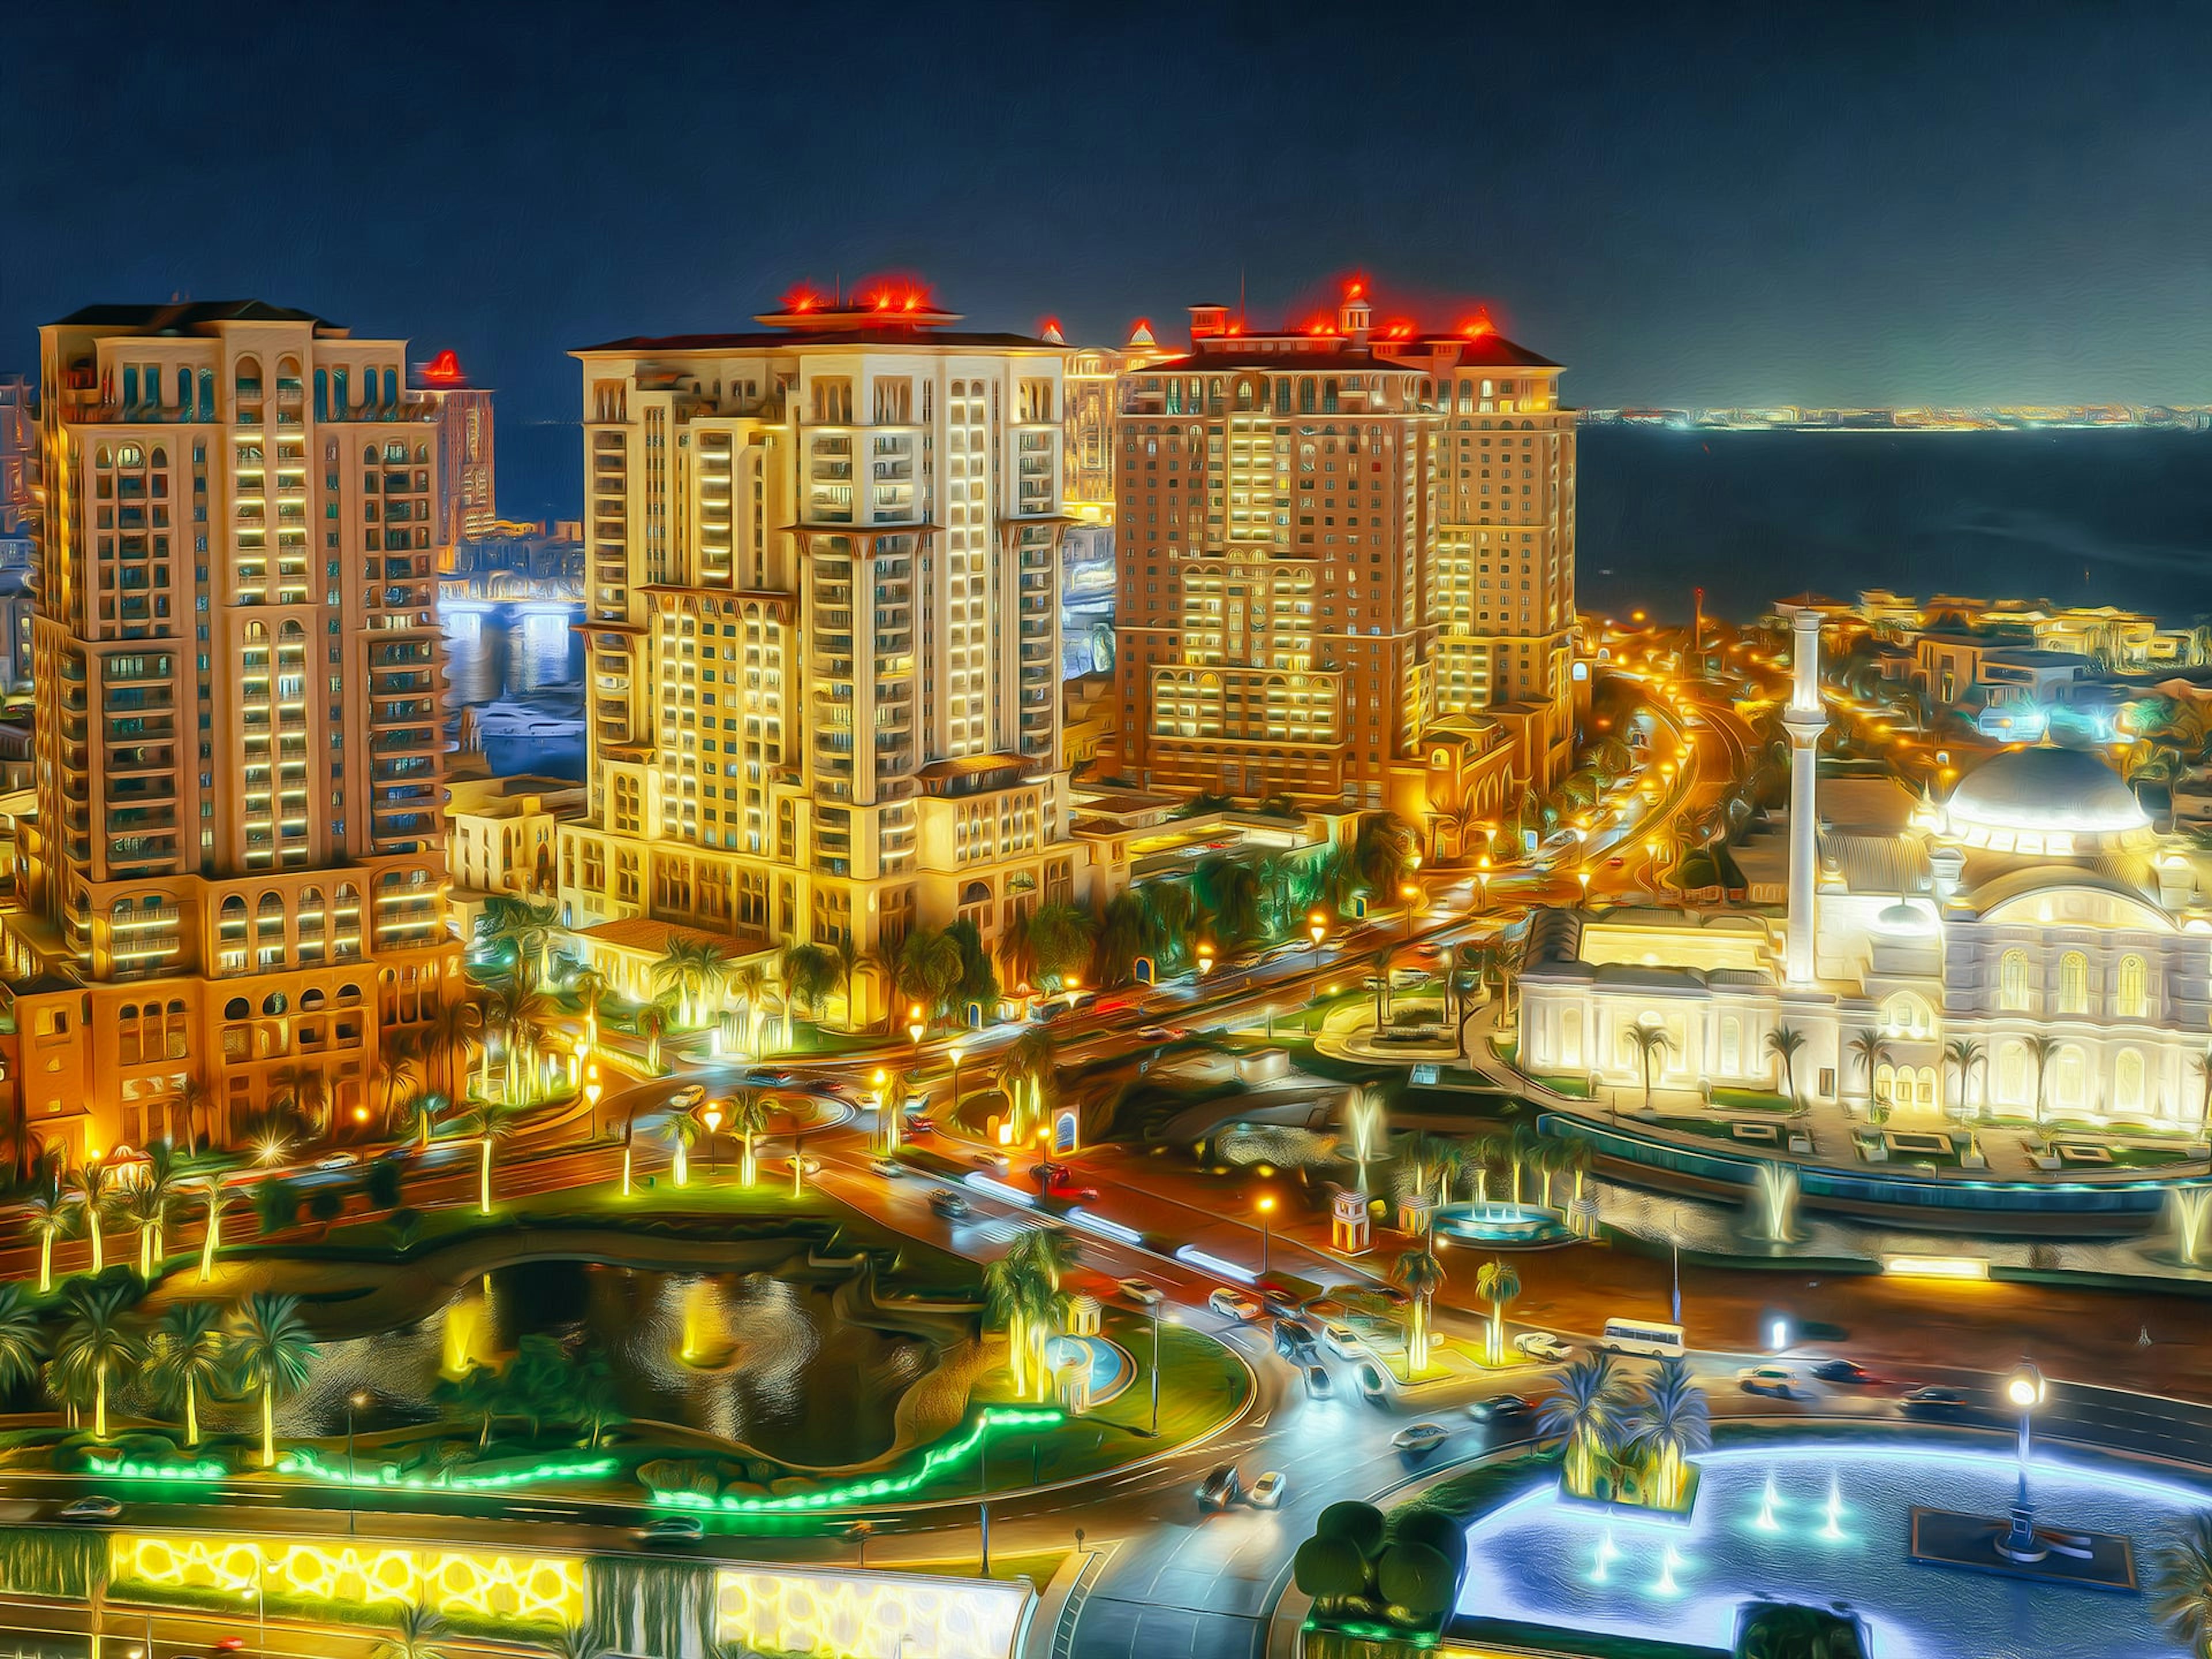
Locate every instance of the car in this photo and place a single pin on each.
(336, 1161)
(953, 1207)
(686, 1097)
(1498, 1408)
(1391, 1294)
(1420, 1436)
(672, 1530)
(774, 1076)
(1932, 1402)
(1294, 1341)
(917, 1126)
(1848, 1371)
(93, 1507)
(890, 1168)
(1220, 1488)
(1233, 1305)
(1142, 1291)
(1340, 1337)
(1162, 1033)
(1319, 1384)
(1779, 1381)
(229, 1644)
(989, 1163)
(1279, 1301)
(1542, 1345)
(1371, 1384)
(1057, 1181)
(1266, 1492)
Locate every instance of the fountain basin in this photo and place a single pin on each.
(1500, 1223)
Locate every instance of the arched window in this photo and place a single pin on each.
(2069, 1077)
(184, 391)
(2128, 1080)
(248, 382)
(1908, 1015)
(126, 1034)
(2134, 1001)
(2012, 983)
(237, 1008)
(2074, 983)
(2012, 1074)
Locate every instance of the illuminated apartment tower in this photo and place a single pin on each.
(1287, 619)
(1092, 385)
(467, 506)
(232, 875)
(822, 598)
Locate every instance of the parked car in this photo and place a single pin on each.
(1779, 1381)
(1498, 1408)
(1370, 1383)
(1233, 1305)
(1542, 1345)
(1319, 1384)
(953, 1207)
(1420, 1436)
(890, 1168)
(93, 1507)
(1220, 1488)
(1932, 1402)
(672, 1530)
(1340, 1337)
(1266, 1492)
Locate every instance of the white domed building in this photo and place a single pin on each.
(2038, 901)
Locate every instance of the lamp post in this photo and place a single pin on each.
(1482, 877)
(1267, 1208)
(1151, 1298)
(955, 1050)
(916, 1025)
(1317, 931)
(1408, 892)
(2025, 1390)
(1583, 877)
(592, 1092)
(1205, 958)
(886, 1124)
(355, 1401)
(710, 1116)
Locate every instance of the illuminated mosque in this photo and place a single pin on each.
(1939, 940)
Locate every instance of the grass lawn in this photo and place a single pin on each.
(2149, 1158)
(1574, 1088)
(1752, 1100)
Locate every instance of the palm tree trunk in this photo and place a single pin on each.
(268, 1425)
(210, 1245)
(99, 1257)
(483, 1176)
(192, 1412)
(100, 1403)
(46, 1263)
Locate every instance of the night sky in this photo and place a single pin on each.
(1863, 203)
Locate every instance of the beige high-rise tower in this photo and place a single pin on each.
(233, 876)
(822, 612)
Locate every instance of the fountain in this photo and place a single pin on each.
(1485, 1222)
(1830, 1528)
(1667, 1563)
(2190, 1206)
(1362, 1115)
(1607, 1553)
(1778, 1192)
(1769, 1502)
(466, 1336)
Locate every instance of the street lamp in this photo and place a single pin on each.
(711, 1116)
(1205, 958)
(592, 1092)
(955, 1051)
(1408, 893)
(355, 1401)
(2025, 1390)
(1316, 930)
(1267, 1208)
(1583, 877)
(916, 1025)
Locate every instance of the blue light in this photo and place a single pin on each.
(1193, 1257)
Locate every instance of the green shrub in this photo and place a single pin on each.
(1358, 1524)
(1418, 1580)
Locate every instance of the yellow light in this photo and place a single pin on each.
(1936, 1266)
(483, 1585)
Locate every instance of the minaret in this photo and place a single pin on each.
(1805, 720)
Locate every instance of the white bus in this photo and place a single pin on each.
(1648, 1339)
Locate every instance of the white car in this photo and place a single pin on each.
(1233, 1304)
(688, 1097)
(1542, 1345)
(890, 1168)
(1779, 1381)
(1420, 1436)
(1267, 1492)
(337, 1161)
(93, 1508)
(1141, 1289)
(1340, 1338)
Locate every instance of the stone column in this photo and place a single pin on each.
(1805, 720)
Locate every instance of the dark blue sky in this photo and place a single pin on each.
(1863, 203)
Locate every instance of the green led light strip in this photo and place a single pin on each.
(883, 1486)
(124, 1468)
(305, 1462)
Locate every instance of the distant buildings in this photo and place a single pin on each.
(229, 884)
(19, 456)
(467, 503)
(1346, 566)
(822, 609)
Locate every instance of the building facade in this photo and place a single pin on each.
(19, 454)
(467, 503)
(1346, 565)
(822, 615)
(230, 885)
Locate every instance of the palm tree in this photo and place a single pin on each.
(2042, 1047)
(197, 1101)
(1025, 1073)
(2181, 1581)
(1963, 1054)
(421, 1111)
(2202, 1065)
(849, 958)
(457, 1022)
(1420, 1275)
(214, 1199)
(573, 1641)
(1650, 1040)
(1523, 1147)
(682, 1132)
(1051, 1251)
(273, 1351)
(415, 1637)
(49, 1216)
(1378, 977)
(1786, 1043)
(143, 1207)
(94, 1344)
(1061, 936)
(929, 966)
(1871, 1051)
(190, 1355)
(21, 1345)
(489, 1122)
(809, 973)
(1672, 1422)
(590, 988)
(750, 1115)
(687, 970)
(1497, 1284)
(1584, 1407)
(652, 1025)
(86, 1188)
(1014, 1294)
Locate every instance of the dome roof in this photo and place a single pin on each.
(2045, 792)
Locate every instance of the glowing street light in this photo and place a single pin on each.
(916, 1025)
(2025, 1390)
(1482, 876)
(1408, 893)
(1267, 1208)
(1316, 930)
(591, 1093)
(1205, 958)
(1583, 877)
(956, 1050)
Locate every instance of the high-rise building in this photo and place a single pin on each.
(467, 503)
(233, 876)
(1346, 561)
(19, 453)
(822, 610)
